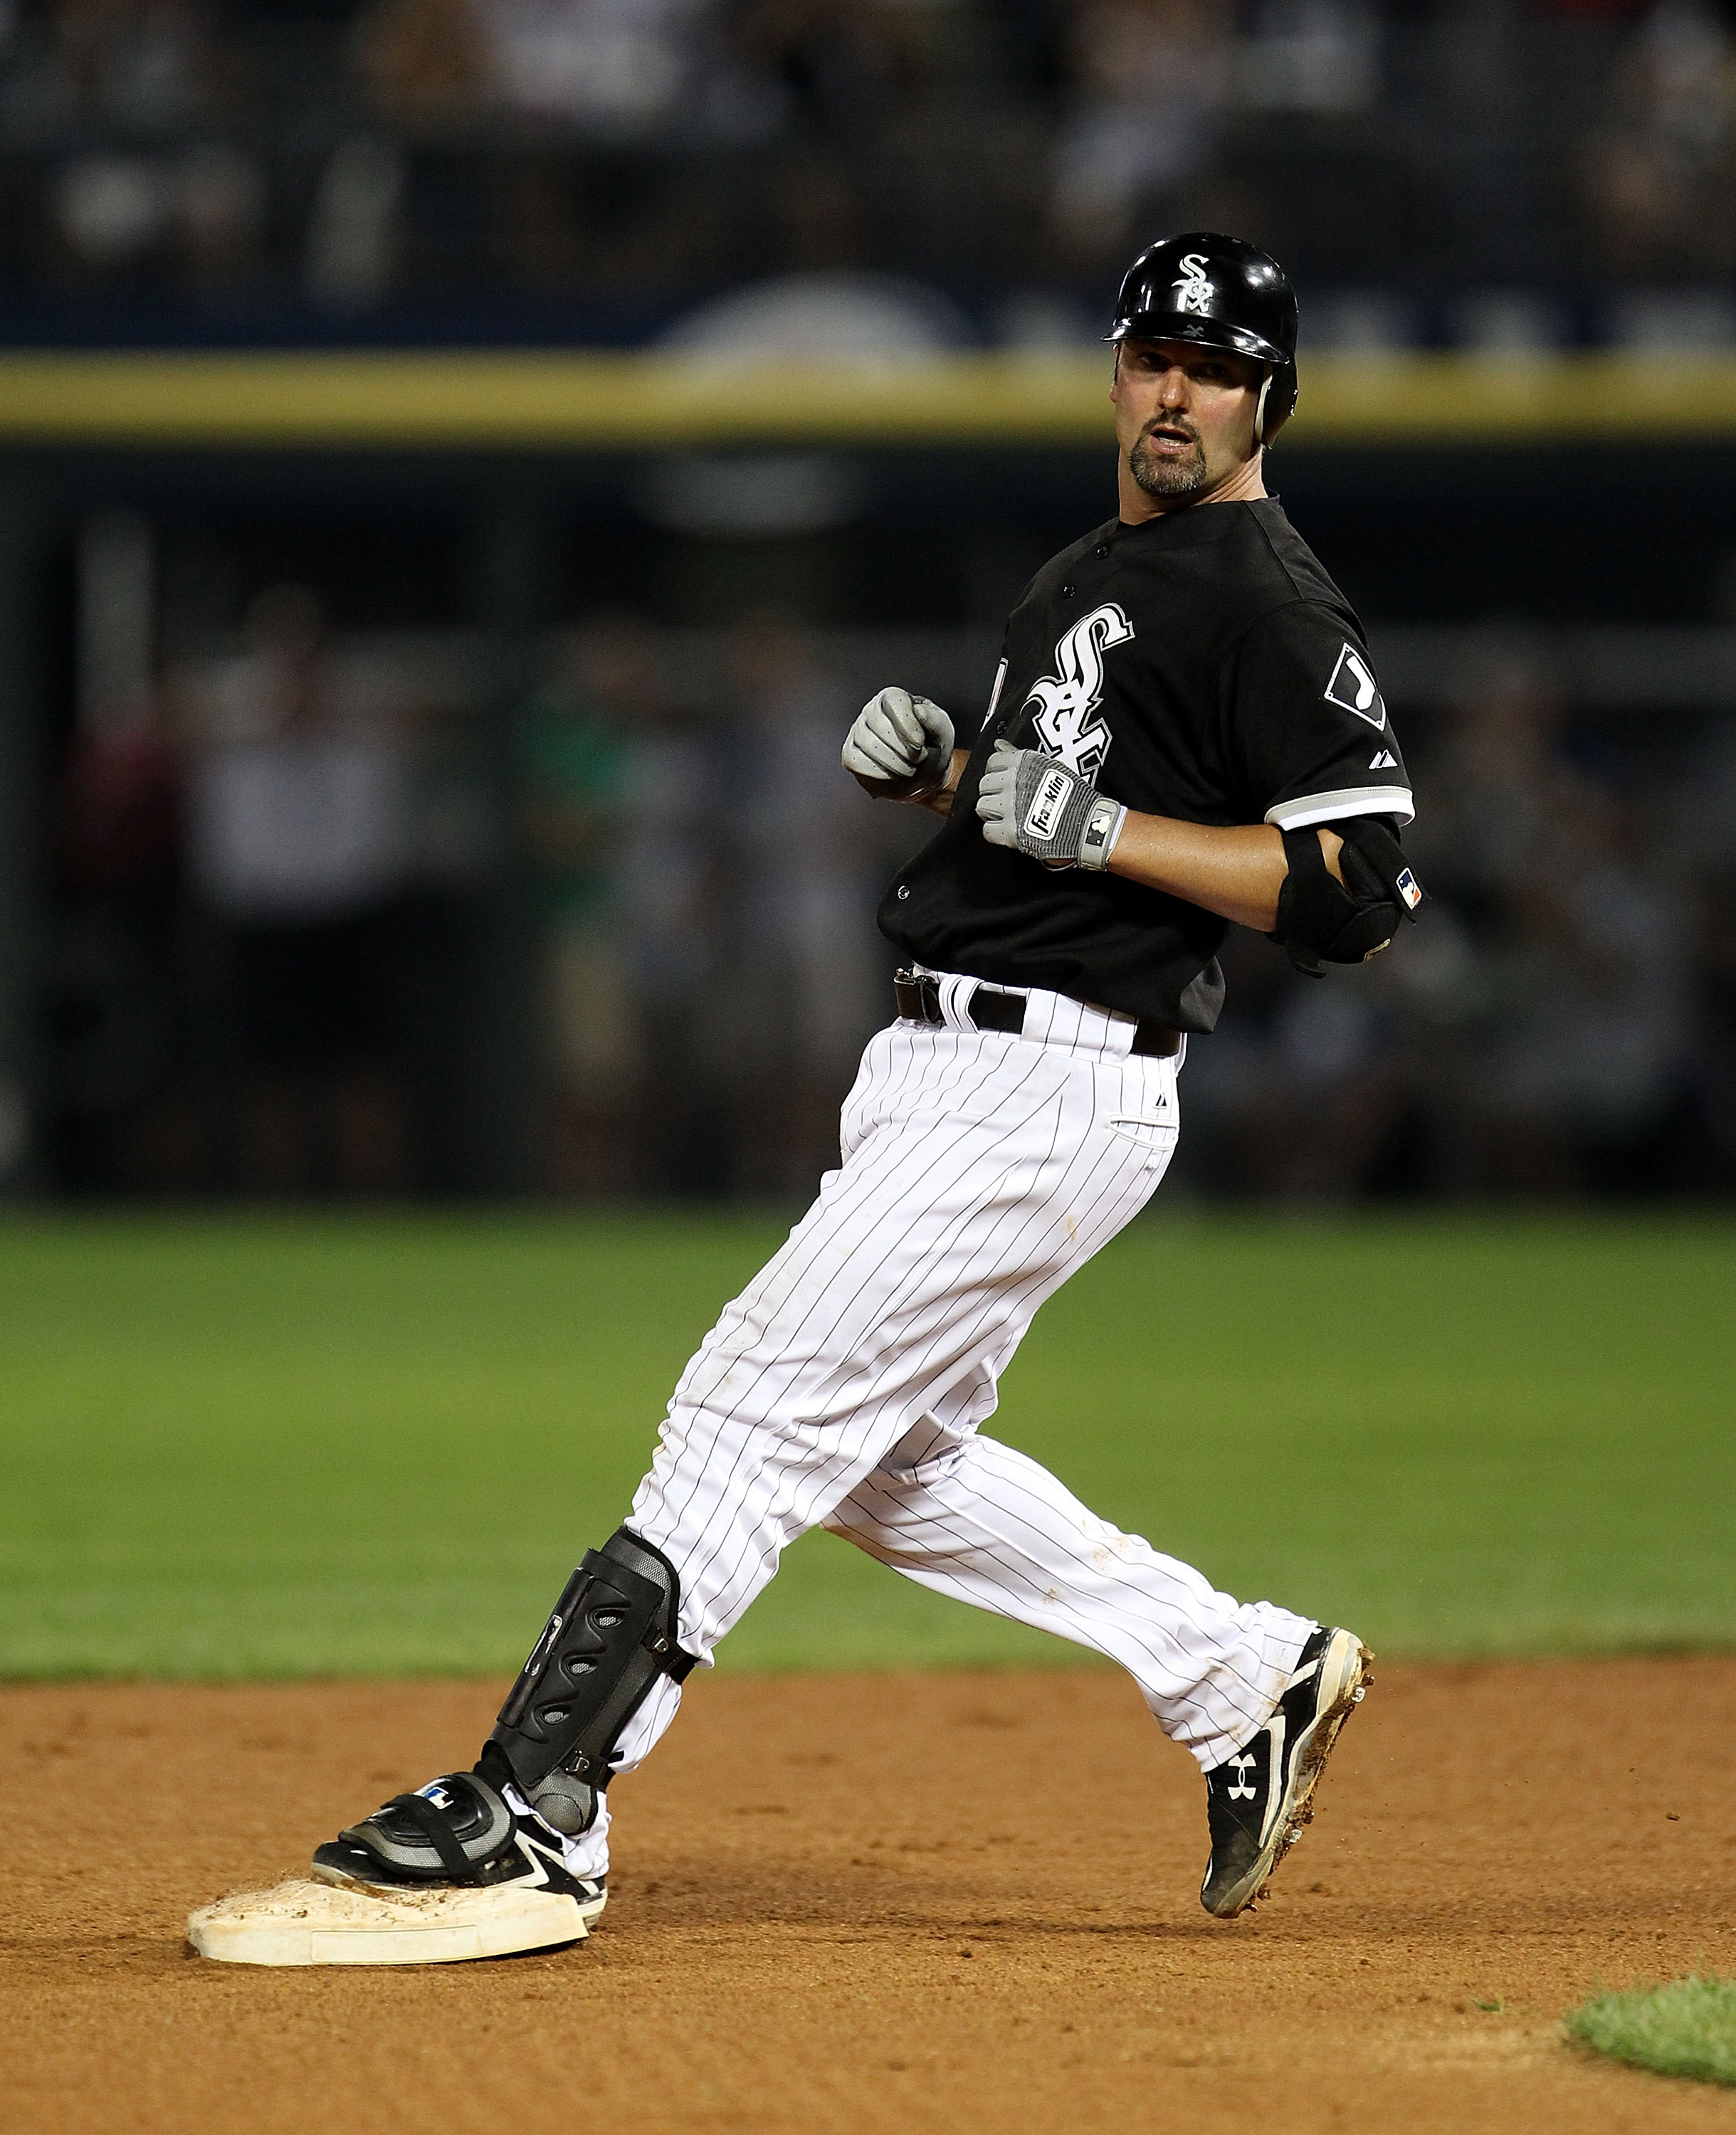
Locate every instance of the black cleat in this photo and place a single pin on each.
(458, 1832)
(1257, 1801)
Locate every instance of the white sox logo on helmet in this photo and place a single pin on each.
(1065, 704)
(1196, 290)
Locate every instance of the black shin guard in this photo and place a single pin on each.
(611, 1636)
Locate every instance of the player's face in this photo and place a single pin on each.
(1184, 416)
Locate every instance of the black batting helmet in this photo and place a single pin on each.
(1219, 293)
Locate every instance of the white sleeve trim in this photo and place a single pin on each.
(1349, 800)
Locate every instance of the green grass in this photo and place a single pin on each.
(279, 1446)
(1687, 2028)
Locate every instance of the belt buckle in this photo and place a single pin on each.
(917, 993)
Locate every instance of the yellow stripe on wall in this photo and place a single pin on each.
(519, 399)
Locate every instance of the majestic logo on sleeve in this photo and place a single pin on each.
(1354, 688)
(1066, 704)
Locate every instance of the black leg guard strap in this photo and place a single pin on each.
(435, 1825)
(611, 1636)
(457, 1830)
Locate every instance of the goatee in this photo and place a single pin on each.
(1167, 477)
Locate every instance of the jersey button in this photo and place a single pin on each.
(1066, 592)
(1101, 549)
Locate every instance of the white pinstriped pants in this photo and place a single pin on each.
(844, 1387)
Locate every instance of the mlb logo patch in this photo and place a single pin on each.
(1410, 889)
(1353, 688)
(1046, 803)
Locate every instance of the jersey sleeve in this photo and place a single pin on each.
(1308, 730)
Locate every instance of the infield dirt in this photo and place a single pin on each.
(946, 1902)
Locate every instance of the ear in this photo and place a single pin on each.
(1115, 377)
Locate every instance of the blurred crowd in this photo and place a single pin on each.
(304, 886)
(300, 891)
(707, 877)
(1562, 1021)
(1502, 170)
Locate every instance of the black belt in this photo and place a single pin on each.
(918, 1001)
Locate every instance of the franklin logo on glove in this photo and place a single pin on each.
(1029, 801)
(1044, 814)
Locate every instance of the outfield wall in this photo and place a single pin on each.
(592, 400)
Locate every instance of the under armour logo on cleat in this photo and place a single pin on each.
(1241, 1791)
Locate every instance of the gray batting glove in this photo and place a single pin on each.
(900, 747)
(1031, 803)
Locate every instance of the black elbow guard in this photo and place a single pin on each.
(1321, 920)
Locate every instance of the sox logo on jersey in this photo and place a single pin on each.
(1066, 703)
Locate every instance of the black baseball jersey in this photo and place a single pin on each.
(1201, 665)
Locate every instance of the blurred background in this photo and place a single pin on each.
(462, 463)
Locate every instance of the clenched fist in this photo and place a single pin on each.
(900, 748)
(1030, 802)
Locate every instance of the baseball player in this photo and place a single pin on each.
(1184, 733)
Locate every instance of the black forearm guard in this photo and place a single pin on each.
(1321, 920)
